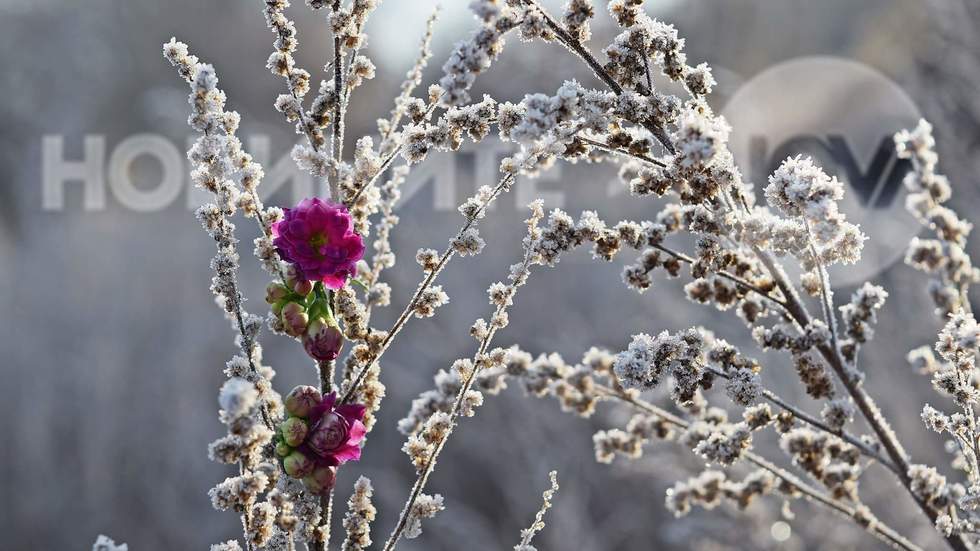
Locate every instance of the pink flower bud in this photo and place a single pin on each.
(323, 342)
(321, 480)
(303, 287)
(291, 276)
(302, 399)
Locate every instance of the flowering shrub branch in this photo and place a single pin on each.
(326, 257)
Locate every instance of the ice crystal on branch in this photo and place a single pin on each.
(799, 189)
(104, 543)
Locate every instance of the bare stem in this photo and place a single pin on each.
(338, 110)
(325, 371)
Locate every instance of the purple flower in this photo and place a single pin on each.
(335, 432)
(318, 434)
(317, 237)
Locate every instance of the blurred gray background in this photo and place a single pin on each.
(111, 349)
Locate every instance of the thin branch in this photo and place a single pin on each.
(325, 372)
(869, 410)
(414, 76)
(403, 318)
(727, 275)
(384, 166)
(646, 67)
(307, 128)
(266, 231)
(811, 420)
(337, 139)
(423, 286)
(606, 147)
(454, 414)
(879, 529)
(381, 170)
(246, 343)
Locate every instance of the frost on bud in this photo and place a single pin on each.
(297, 465)
(323, 342)
(104, 543)
(428, 259)
(425, 506)
(321, 480)
(293, 431)
(294, 319)
(430, 299)
(302, 399)
(236, 398)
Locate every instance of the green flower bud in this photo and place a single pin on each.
(297, 465)
(275, 292)
(293, 431)
(302, 399)
(283, 449)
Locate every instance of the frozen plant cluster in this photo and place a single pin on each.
(326, 258)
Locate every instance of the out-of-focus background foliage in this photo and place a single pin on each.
(111, 349)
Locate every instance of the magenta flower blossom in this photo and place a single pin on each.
(318, 436)
(318, 238)
(335, 432)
